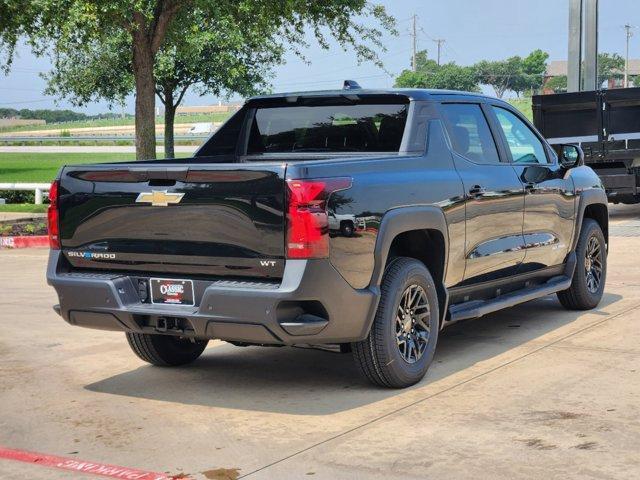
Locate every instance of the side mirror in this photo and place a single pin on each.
(570, 156)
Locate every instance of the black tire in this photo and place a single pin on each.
(581, 295)
(165, 350)
(347, 229)
(380, 356)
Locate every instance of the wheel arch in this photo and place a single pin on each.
(415, 232)
(593, 204)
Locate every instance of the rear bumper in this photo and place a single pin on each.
(313, 304)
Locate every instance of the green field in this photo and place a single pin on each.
(524, 105)
(116, 122)
(23, 208)
(42, 167)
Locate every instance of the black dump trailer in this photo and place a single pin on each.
(606, 124)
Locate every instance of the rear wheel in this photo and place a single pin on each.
(403, 337)
(589, 278)
(165, 350)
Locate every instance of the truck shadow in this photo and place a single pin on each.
(309, 382)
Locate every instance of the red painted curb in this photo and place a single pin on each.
(24, 241)
(80, 466)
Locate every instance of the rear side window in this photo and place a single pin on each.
(328, 128)
(470, 133)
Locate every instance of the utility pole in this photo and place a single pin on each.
(629, 32)
(414, 34)
(574, 65)
(440, 42)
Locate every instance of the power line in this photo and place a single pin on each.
(27, 101)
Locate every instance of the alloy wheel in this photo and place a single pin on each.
(412, 323)
(593, 264)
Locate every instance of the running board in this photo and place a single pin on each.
(479, 308)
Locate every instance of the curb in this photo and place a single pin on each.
(24, 241)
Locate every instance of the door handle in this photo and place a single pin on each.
(476, 191)
(529, 187)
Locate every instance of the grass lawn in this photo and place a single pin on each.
(23, 208)
(43, 167)
(116, 122)
(524, 105)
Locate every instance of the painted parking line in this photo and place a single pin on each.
(81, 466)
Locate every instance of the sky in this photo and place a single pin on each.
(473, 30)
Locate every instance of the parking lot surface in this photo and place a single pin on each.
(531, 392)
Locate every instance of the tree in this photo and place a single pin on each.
(534, 67)
(636, 81)
(610, 66)
(557, 84)
(64, 27)
(515, 73)
(446, 77)
(227, 58)
(431, 75)
(502, 75)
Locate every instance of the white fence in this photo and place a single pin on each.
(38, 188)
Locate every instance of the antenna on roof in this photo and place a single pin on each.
(350, 85)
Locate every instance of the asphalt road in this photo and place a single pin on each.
(534, 392)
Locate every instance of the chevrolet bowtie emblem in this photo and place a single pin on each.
(159, 198)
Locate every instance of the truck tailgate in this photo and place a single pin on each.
(200, 219)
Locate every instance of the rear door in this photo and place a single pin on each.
(549, 209)
(494, 195)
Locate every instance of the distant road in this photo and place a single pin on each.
(85, 149)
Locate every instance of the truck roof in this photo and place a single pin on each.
(411, 93)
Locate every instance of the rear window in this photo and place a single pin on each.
(328, 128)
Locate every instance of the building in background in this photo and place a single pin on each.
(557, 69)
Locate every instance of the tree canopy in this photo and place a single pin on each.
(134, 37)
(516, 74)
(429, 74)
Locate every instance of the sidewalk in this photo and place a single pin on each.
(22, 216)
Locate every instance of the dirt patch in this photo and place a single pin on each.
(586, 446)
(538, 444)
(222, 473)
(555, 415)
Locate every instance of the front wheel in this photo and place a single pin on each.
(165, 350)
(587, 287)
(403, 337)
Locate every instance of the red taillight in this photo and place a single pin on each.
(52, 217)
(307, 219)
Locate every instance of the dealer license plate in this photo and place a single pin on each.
(169, 291)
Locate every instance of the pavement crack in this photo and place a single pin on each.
(445, 390)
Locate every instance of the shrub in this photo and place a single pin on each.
(18, 196)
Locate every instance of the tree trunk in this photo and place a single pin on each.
(143, 60)
(169, 120)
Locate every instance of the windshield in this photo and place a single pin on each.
(328, 128)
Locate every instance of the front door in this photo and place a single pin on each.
(549, 208)
(494, 196)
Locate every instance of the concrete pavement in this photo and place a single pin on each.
(532, 392)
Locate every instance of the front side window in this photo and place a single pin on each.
(328, 128)
(469, 132)
(524, 145)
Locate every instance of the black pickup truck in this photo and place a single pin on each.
(457, 208)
